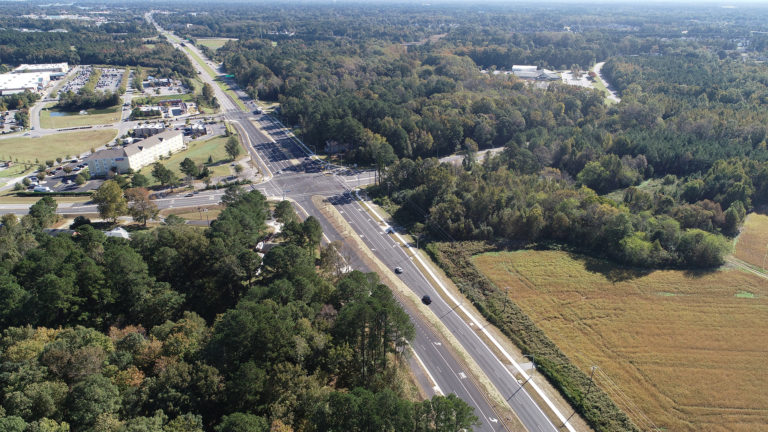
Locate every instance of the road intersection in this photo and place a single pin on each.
(290, 170)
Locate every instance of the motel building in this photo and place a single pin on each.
(119, 160)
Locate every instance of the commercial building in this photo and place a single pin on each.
(134, 156)
(12, 83)
(148, 129)
(31, 77)
(51, 68)
(526, 72)
(534, 73)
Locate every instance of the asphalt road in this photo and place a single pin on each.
(280, 153)
(292, 173)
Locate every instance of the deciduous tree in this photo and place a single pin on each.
(110, 200)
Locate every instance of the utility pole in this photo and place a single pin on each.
(591, 381)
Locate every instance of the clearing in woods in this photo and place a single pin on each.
(213, 43)
(681, 351)
(752, 243)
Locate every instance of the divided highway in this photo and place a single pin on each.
(291, 172)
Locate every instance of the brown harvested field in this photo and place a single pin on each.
(688, 350)
(752, 243)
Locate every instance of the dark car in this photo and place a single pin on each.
(426, 300)
(398, 270)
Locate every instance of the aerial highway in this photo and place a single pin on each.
(290, 171)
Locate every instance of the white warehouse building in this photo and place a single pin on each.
(52, 68)
(11, 83)
(134, 156)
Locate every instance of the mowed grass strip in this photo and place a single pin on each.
(198, 151)
(14, 171)
(213, 43)
(74, 119)
(217, 78)
(752, 243)
(687, 350)
(61, 144)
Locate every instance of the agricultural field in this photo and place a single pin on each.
(752, 243)
(677, 350)
(57, 145)
(54, 119)
(213, 43)
(198, 151)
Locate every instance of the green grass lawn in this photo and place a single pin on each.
(73, 119)
(224, 86)
(213, 43)
(15, 171)
(56, 145)
(198, 151)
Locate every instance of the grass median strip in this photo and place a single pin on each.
(413, 302)
(216, 77)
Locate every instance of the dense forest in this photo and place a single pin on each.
(96, 48)
(660, 179)
(183, 329)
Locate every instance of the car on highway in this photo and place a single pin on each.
(426, 300)
(398, 270)
(189, 195)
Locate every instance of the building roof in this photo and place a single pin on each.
(150, 142)
(156, 125)
(110, 153)
(118, 232)
(27, 68)
(22, 81)
(132, 149)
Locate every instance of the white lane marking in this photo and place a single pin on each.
(495, 343)
(436, 387)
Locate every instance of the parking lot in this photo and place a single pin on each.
(75, 84)
(61, 181)
(110, 79)
(8, 121)
(165, 91)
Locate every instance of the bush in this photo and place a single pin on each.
(80, 221)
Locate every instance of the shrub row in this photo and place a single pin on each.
(53, 194)
(597, 408)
